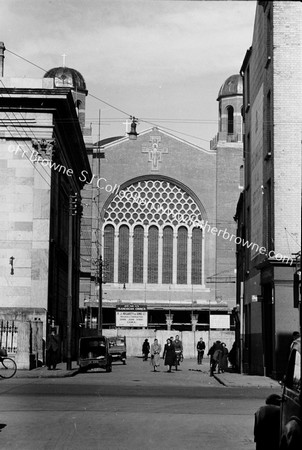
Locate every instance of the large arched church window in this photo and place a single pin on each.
(152, 234)
(230, 111)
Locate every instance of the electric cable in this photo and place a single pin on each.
(115, 107)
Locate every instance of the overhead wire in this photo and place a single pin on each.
(20, 135)
(113, 106)
(130, 116)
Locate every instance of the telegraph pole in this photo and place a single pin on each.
(100, 310)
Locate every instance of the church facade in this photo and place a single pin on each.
(157, 216)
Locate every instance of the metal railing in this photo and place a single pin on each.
(8, 335)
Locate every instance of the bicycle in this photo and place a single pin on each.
(178, 358)
(8, 367)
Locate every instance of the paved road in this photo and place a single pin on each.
(130, 408)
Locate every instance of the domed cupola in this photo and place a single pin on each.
(232, 86)
(230, 98)
(65, 77)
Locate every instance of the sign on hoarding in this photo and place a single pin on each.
(131, 316)
(220, 321)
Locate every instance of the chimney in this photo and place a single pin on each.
(2, 50)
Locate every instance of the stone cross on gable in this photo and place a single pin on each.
(155, 151)
(127, 123)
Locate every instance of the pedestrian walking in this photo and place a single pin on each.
(217, 357)
(52, 349)
(169, 354)
(214, 352)
(178, 350)
(155, 355)
(146, 349)
(210, 354)
(200, 350)
(223, 359)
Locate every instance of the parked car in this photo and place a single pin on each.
(278, 424)
(117, 348)
(291, 402)
(93, 353)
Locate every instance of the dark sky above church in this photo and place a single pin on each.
(161, 61)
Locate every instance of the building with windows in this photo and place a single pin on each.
(269, 210)
(153, 212)
(42, 154)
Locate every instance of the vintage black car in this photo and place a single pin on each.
(117, 348)
(94, 353)
(278, 424)
(291, 406)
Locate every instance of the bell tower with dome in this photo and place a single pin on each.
(65, 77)
(229, 167)
(230, 104)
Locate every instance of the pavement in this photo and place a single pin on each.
(189, 367)
(61, 371)
(231, 379)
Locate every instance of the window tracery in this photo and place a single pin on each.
(157, 235)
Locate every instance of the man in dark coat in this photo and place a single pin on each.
(146, 349)
(200, 350)
(212, 362)
(52, 349)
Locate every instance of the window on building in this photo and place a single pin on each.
(247, 159)
(268, 124)
(167, 255)
(153, 255)
(268, 35)
(268, 225)
(230, 111)
(220, 121)
(241, 177)
(196, 255)
(108, 263)
(123, 254)
(138, 254)
(182, 242)
(161, 215)
(241, 124)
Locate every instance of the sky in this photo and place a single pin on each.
(161, 61)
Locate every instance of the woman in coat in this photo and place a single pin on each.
(155, 354)
(169, 354)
